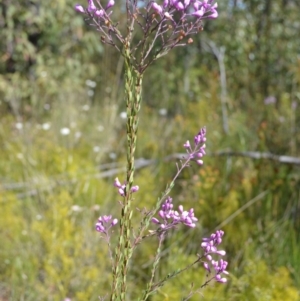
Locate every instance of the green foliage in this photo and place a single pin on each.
(258, 282)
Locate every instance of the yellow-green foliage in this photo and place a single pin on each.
(259, 282)
(56, 254)
(71, 255)
(49, 248)
(187, 282)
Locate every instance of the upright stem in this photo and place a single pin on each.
(148, 291)
(133, 93)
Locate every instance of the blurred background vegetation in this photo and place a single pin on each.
(62, 138)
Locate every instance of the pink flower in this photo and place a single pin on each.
(99, 12)
(104, 223)
(110, 4)
(79, 8)
(157, 7)
(91, 7)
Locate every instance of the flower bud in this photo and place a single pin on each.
(79, 8)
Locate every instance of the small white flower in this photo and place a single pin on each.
(123, 115)
(46, 126)
(163, 112)
(76, 208)
(168, 16)
(65, 131)
(19, 125)
(77, 135)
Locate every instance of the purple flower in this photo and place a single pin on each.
(187, 145)
(135, 188)
(220, 268)
(166, 3)
(99, 12)
(198, 151)
(187, 217)
(104, 223)
(196, 5)
(199, 13)
(110, 4)
(157, 7)
(187, 3)
(209, 245)
(79, 8)
(214, 14)
(170, 217)
(200, 137)
(179, 6)
(91, 6)
(122, 187)
(202, 9)
(205, 7)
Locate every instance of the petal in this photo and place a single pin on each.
(114, 222)
(91, 6)
(110, 4)
(100, 13)
(157, 7)
(214, 14)
(117, 183)
(155, 220)
(79, 8)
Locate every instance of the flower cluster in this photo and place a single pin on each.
(172, 22)
(171, 218)
(104, 223)
(198, 151)
(199, 9)
(209, 245)
(122, 187)
(93, 10)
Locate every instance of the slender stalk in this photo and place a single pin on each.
(133, 93)
(148, 291)
(160, 283)
(146, 220)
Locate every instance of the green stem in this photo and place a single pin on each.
(148, 290)
(161, 283)
(133, 92)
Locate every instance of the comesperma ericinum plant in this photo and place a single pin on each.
(162, 26)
